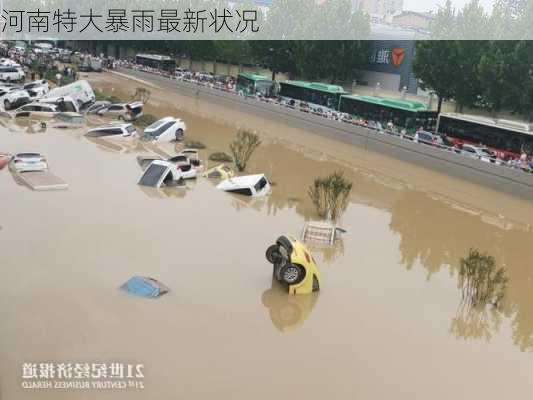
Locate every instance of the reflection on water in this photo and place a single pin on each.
(483, 289)
(437, 235)
(287, 312)
(328, 253)
(476, 322)
(177, 192)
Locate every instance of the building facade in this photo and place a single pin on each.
(390, 66)
(378, 9)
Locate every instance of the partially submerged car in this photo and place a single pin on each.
(113, 130)
(221, 171)
(26, 162)
(294, 265)
(181, 161)
(165, 130)
(250, 185)
(96, 106)
(143, 286)
(161, 173)
(37, 89)
(192, 154)
(124, 111)
(37, 110)
(69, 120)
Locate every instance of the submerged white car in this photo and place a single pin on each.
(188, 167)
(113, 130)
(26, 162)
(37, 110)
(37, 89)
(250, 185)
(123, 111)
(161, 173)
(165, 130)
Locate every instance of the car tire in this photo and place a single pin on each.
(120, 118)
(179, 135)
(291, 274)
(272, 254)
(7, 105)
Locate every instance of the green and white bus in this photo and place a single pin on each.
(312, 92)
(249, 84)
(406, 114)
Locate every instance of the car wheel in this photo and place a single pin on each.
(292, 274)
(179, 134)
(273, 255)
(7, 105)
(120, 118)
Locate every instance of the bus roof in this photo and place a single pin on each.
(399, 104)
(509, 125)
(253, 77)
(156, 57)
(321, 87)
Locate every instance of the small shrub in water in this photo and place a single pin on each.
(195, 145)
(220, 157)
(145, 120)
(242, 148)
(330, 195)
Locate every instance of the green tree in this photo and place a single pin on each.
(467, 83)
(434, 66)
(444, 24)
(494, 73)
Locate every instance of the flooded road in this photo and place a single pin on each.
(387, 323)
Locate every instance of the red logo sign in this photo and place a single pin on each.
(397, 56)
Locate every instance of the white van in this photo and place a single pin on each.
(64, 104)
(80, 91)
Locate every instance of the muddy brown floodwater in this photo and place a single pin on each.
(386, 325)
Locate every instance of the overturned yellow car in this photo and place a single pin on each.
(294, 265)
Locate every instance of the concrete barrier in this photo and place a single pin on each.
(500, 178)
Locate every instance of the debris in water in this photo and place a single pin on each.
(321, 232)
(145, 287)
